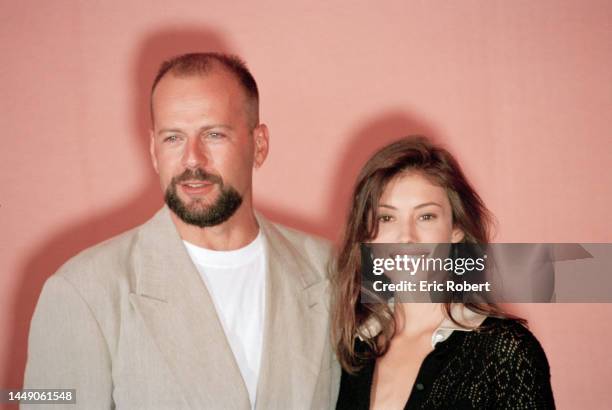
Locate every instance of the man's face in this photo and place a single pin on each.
(202, 146)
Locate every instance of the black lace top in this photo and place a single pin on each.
(501, 366)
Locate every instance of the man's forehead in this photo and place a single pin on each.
(219, 87)
(193, 102)
(214, 77)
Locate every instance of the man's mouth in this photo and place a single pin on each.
(195, 184)
(196, 187)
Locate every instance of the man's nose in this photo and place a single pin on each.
(194, 155)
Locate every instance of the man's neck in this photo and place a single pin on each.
(235, 233)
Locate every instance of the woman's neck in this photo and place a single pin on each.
(416, 318)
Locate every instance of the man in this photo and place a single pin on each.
(207, 305)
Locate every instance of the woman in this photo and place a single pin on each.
(426, 355)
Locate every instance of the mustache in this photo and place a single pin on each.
(197, 175)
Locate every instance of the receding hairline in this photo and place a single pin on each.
(205, 64)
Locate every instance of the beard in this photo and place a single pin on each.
(199, 213)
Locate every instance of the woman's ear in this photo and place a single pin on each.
(457, 235)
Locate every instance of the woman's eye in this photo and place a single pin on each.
(385, 218)
(427, 217)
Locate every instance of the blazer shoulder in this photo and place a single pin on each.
(104, 267)
(309, 244)
(312, 250)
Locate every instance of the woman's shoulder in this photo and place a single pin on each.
(510, 332)
(511, 329)
(510, 343)
(515, 361)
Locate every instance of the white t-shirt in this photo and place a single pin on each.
(236, 281)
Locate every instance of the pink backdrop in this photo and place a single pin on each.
(520, 91)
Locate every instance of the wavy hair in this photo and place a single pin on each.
(469, 213)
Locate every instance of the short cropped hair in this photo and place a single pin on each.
(202, 64)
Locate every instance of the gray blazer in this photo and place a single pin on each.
(130, 324)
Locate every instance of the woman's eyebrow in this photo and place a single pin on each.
(427, 204)
(416, 207)
(387, 206)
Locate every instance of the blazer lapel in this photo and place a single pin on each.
(180, 315)
(296, 326)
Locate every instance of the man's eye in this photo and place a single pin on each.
(171, 138)
(215, 135)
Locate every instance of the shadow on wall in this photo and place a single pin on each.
(364, 142)
(60, 246)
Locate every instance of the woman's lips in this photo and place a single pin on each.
(411, 251)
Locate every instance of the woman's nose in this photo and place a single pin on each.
(407, 233)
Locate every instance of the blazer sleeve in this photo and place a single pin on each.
(67, 349)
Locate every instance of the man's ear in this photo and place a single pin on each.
(261, 138)
(457, 235)
(152, 150)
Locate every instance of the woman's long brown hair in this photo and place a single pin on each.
(469, 214)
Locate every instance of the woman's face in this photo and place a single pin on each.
(413, 210)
